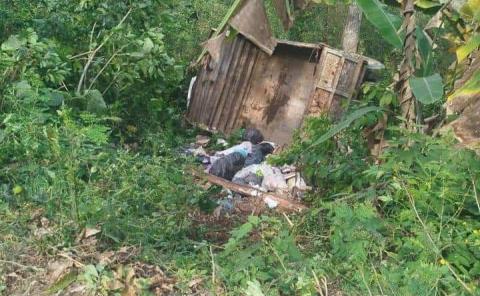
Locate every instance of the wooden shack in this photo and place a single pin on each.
(241, 84)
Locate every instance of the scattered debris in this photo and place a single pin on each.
(244, 164)
(91, 232)
(273, 179)
(288, 169)
(259, 153)
(272, 204)
(284, 204)
(297, 185)
(251, 175)
(202, 140)
(222, 142)
(227, 166)
(199, 151)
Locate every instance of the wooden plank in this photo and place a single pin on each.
(339, 92)
(227, 84)
(213, 96)
(283, 204)
(233, 95)
(346, 77)
(356, 77)
(244, 89)
(329, 70)
(335, 82)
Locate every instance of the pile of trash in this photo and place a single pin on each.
(245, 164)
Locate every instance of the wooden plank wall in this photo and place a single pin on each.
(248, 88)
(340, 78)
(220, 88)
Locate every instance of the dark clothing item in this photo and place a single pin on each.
(253, 135)
(259, 152)
(227, 166)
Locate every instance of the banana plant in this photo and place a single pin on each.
(470, 88)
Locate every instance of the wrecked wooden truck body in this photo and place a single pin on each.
(250, 79)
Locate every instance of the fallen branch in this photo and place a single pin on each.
(283, 203)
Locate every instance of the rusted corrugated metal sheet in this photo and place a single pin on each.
(246, 87)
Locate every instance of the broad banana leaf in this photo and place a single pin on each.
(470, 88)
(464, 51)
(387, 24)
(471, 10)
(427, 90)
(344, 124)
(424, 45)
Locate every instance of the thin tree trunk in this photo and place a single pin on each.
(351, 32)
(407, 99)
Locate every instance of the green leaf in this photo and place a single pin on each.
(427, 90)
(426, 52)
(386, 99)
(62, 283)
(12, 43)
(95, 102)
(254, 289)
(23, 89)
(464, 51)
(54, 98)
(147, 45)
(471, 10)
(387, 24)
(344, 124)
(470, 88)
(426, 4)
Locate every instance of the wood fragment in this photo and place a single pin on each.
(283, 203)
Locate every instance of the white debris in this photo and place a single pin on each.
(297, 182)
(272, 204)
(273, 179)
(197, 151)
(222, 142)
(286, 169)
(202, 140)
(269, 178)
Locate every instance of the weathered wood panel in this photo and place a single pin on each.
(248, 88)
(280, 93)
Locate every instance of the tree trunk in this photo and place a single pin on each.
(351, 31)
(407, 99)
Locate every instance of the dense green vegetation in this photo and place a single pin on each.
(92, 95)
